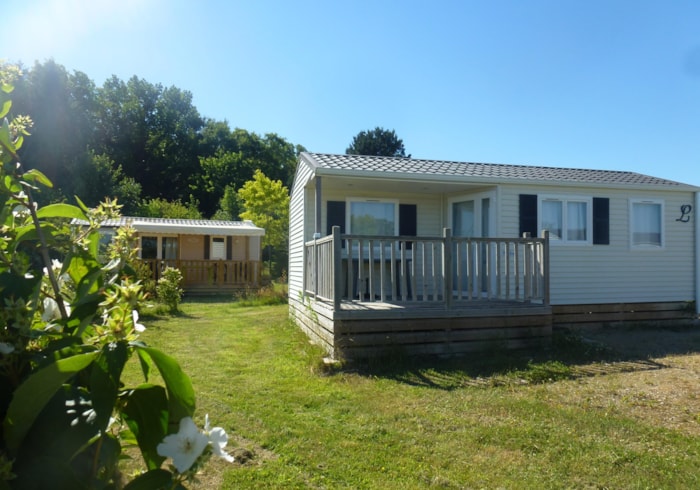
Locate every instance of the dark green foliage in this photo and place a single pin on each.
(127, 139)
(377, 142)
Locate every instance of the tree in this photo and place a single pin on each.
(266, 203)
(161, 208)
(102, 178)
(377, 142)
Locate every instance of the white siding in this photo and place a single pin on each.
(300, 206)
(616, 272)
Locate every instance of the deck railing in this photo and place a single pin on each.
(211, 273)
(403, 269)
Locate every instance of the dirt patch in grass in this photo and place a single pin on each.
(653, 374)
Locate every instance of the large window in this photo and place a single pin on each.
(568, 220)
(646, 222)
(373, 217)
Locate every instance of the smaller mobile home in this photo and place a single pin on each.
(212, 255)
(445, 257)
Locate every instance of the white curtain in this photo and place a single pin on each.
(576, 221)
(552, 218)
(646, 224)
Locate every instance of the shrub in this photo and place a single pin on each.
(168, 289)
(68, 326)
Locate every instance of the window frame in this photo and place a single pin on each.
(215, 239)
(565, 200)
(662, 224)
(348, 211)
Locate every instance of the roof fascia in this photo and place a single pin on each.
(452, 179)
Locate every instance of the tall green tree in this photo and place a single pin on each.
(153, 133)
(377, 142)
(102, 178)
(62, 106)
(266, 203)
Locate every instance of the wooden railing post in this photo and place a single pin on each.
(337, 268)
(447, 265)
(545, 266)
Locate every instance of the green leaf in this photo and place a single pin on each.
(35, 175)
(5, 108)
(6, 139)
(154, 479)
(60, 210)
(146, 414)
(181, 399)
(32, 395)
(105, 378)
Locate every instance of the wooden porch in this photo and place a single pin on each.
(211, 275)
(426, 295)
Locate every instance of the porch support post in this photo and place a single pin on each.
(447, 265)
(545, 265)
(318, 206)
(337, 268)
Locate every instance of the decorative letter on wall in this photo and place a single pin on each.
(685, 213)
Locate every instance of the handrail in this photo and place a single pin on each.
(406, 269)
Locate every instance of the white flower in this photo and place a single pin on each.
(137, 326)
(218, 439)
(51, 311)
(184, 447)
(6, 348)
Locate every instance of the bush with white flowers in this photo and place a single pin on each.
(69, 324)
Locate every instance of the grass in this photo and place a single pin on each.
(573, 418)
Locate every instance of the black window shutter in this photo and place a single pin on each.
(408, 222)
(601, 221)
(335, 216)
(206, 247)
(229, 247)
(528, 214)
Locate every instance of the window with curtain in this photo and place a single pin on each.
(169, 248)
(646, 223)
(568, 220)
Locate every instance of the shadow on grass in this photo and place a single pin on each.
(571, 355)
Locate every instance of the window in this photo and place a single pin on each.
(169, 247)
(568, 220)
(646, 223)
(218, 248)
(149, 247)
(373, 217)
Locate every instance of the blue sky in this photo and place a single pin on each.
(605, 84)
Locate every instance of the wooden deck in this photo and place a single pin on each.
(362, 329)
(366, 295)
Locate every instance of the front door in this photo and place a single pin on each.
(471, 217)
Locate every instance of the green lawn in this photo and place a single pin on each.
(446, 426)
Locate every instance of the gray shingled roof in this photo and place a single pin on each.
(499, 172)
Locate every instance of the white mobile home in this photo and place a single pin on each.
(442, 257)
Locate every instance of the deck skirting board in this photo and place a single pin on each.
(360, 330)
